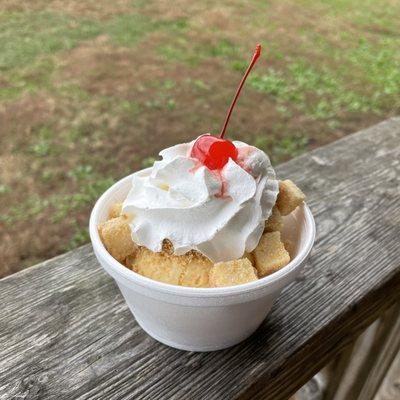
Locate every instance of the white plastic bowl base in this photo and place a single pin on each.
(201, 319)
(197, 328)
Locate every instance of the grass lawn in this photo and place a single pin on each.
(92, 90)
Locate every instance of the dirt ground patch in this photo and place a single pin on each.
(89, 8)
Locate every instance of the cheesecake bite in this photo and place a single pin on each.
(270, 255)
(232, 273)
(115, 210)
(116, 237)
(275, 221)
(158, 266)
(289, 198)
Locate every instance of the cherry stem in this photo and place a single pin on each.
(256, 54)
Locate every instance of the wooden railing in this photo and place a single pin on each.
(66, 333)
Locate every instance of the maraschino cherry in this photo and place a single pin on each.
(212, 151)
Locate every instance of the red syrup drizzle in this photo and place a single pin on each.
(214, 152)
(224, 184)
(218, 175)
(243, 154)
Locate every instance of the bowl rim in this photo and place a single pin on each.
(187, 291)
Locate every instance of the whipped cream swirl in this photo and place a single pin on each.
(219, 213)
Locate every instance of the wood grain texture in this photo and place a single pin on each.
(371, 355)
(65, 331)
(384, 348)
(390, 388)
(336, 371)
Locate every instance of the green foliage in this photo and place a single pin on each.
(81, 173)
(25, 35)
(282, 149)
(272, 83)
(79, 237)
(32, 207)
(168, 84)
(163, 98)
(128, 29)
(90, 186)
(29, 41)
(223, 48)
(367, 60)
(153, 103)
(4, 189)
(184, 50)
(30, 78)
(380, 65)
(148, 162)
(42, 146)
(181, 50)
(129, 106)
(318, 92)
(47, 176)
(90, 189)
(171, 104)
(198, 84)
(363, 13)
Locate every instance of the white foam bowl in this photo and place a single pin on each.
(201, 319)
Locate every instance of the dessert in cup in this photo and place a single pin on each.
(203, 242)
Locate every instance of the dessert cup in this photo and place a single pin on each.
(201, 319)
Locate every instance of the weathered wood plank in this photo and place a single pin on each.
(383, 350)
(318, 387)
(336, 371)
(65, 331)
(390, 388)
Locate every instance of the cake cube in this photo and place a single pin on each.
(232, 273)
(129, 261)
(274, 222)
(290, 246)
(115, 210)
(270, 254)
(158, 266)
(116, 237)
(196, 273)
(249, 256)
(289, 197)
